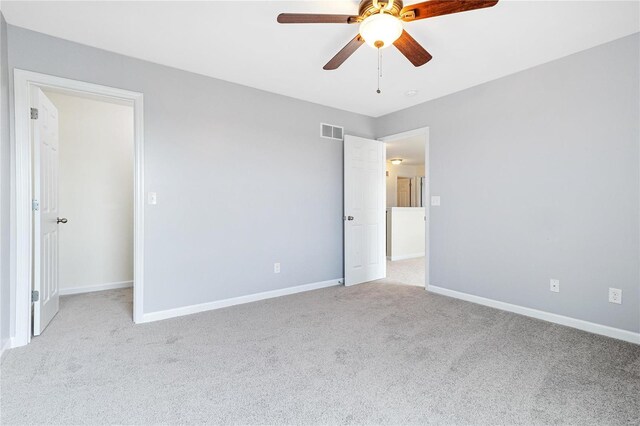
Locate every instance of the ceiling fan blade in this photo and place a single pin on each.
(344, 54)
(314, 18)
(433, 8)
(410, 48)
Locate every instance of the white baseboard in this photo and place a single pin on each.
(604, 330)
(218, 304)
(97, 287)
(4, 346)
(406, 256)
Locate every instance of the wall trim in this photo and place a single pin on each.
(406, 256)
(218, 304)
(4, 346)
(95, 287)
(591, 327)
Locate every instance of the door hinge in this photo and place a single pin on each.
(34, 113)
(35, 296)
(35, 205)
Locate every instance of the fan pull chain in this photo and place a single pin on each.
(379, 69)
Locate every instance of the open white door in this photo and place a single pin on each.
(364, 210)
(45, 189)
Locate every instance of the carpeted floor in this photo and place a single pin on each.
(373, 353)
(408, 272)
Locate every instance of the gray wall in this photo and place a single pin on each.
(5, 162)
(539, 178)
(242, 176)
(538, 173)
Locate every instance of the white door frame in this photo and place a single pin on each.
(423, 131)
(22, 259)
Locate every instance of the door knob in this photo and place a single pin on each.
(61, 220)
(349, 217)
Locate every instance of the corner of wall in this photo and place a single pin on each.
(5, 189)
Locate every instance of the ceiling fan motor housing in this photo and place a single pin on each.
(367, 7)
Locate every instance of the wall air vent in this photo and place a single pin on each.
(330, 131)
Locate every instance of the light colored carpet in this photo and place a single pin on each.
(407, 272)
(374, 354)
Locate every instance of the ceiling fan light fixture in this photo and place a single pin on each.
(380, 30)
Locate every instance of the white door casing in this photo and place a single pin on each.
(364, 210)
(45, 191)
(22, 254)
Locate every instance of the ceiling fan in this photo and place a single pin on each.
(381, 24)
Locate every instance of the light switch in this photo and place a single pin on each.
(153, 199)
(435, 200)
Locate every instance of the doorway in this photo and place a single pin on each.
(407, 230)
(38, 225)
(377, 232)
(88, 245)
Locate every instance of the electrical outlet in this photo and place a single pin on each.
(276, 268)
(435, 200)
(615, 295)
(554, 285)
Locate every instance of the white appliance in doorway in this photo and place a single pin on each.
(364, 210)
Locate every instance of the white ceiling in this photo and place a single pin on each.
(240, 41)
(410, 150)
